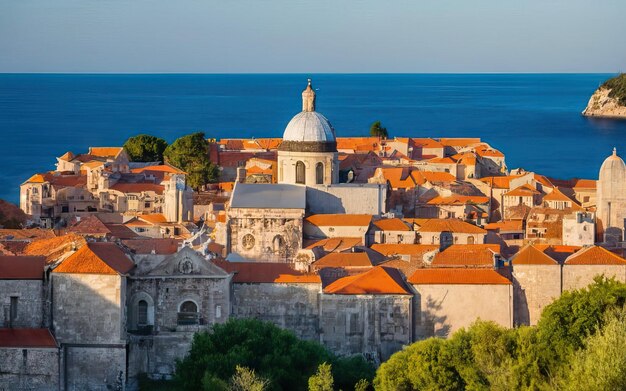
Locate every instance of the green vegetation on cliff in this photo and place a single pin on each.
(617, 85)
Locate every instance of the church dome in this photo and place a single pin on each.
(309, 131)
(613, 168)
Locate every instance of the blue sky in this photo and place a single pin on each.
(312, 36)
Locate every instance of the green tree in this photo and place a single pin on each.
(191, 154)
(245, 379)
(362, 385)
(322, 380)
(145, 148)
(377, 130)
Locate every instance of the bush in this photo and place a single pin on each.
(617, 85)
(191, 154)
(145, 148)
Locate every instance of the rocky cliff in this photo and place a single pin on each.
(608, 100)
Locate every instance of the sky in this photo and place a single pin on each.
(318, 36)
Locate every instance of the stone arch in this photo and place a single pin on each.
(300, 172)
(319, 173)
(188, 312)
(278, 244)
(141, 311)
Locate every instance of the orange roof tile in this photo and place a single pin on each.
(334, 244)
(105, 151)
(154, 218)
(89, 225)
(584, 183)
(557, 195)
(14, 267)
(442, 160)
(160, 168)
(459, 142)
(394, 224)
(397, 177)
(339, 220)
(138, 187)
(379, 280)
(458, 200)
(524, 190)
(67, 156)
(595, 255)
(530, 255)
(360, 259)
(465, 255)
(426, 143)
(37, 178)
(28, 233)
(267, 272)
(422, 177)
(448, 276)
(450, 225)
(26, 338)
(499, 182)
(389, 249)
(54, 247)
(96, 258)
(484, 151)
(505, 226)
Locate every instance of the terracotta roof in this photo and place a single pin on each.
(442, 160)
(394, 224)
(105, 151)
(92, 164)
(120, 231)
(159, 246)
(397, 177)
(360, 259)
(138, 187)
(466, 255)
(595, 255)
(334, 244)
(505, 226)
(426, 143)
(67, 156)
(155, 218)
(530, 255)
(422, 177)
(20, 267)
(26, 338)
(160, 168)
(89, 225)
(403, 249)
(379, 280)
(557, 195)
(458, 200)
(499, 182)
(524, 190)
(447, 276)
(459, 142)
(54, 247)
(37, 178)
(450, 225)
(96, 258)
(484, 151)
(584, 183)
(266, 272)
(339, 220)
(22, 234)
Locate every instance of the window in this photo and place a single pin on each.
(188, 313)
(300, 170)
(278, 243)
(146, 205)
(586, 199)
(142, 313)
(13, 311)
(218, 311)
(470, 240)
(319, 173)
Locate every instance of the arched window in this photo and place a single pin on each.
(319, 173)
(300, 170)
(142, 313)
(278, 243)
(470, 240)
(188, 313)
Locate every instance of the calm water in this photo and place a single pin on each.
(534, 119)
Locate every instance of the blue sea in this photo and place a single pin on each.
(533, 118)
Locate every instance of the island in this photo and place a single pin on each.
(609, 100)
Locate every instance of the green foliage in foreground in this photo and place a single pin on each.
(191, 154)
(145, 148)
(617, 85)
(274, 354)
(572, 340)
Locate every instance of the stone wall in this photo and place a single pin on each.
(156, 355)
(446, 308)
(94, 368)
(347, 198)
(30, 303)
(374, 325)
(534, 287)
(29, 369)
(293, 307)
(580, 276)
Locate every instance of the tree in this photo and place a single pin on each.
(377, 130)
(273, 353)
(191, 154)
(245, 379)
(323, 379)
(145, 148)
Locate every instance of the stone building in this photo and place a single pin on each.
(611, 200)
(580, 268)
(23, 289)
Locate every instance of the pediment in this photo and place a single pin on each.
(187, 262)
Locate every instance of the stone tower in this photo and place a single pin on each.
(308, 153)
(611, 196)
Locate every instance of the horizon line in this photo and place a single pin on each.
(309, 73)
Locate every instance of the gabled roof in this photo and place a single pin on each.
(53, 248)
(448, 276)
(37, 178)
(20, 267)
(105, 151)
(524, 190)
(339, 220)
(394, 224)
(89, 225)
(26, 338)
(450, 225)
(458, 200)
(557, 195)
(595, 255)
(530, 255)
(379, 280)
(505, 226)
(499, 182)
(466, 255)
(422, 177)
(267, 272)
(334, 244)
(360, 259)
(153, 218)
(390, 249)
(96, 258)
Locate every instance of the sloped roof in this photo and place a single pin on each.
(121, 231)
(96, 258)
(505, 226)
(456, 199)
(154, 218)
(398, 177)
(334, 244)
(450, 225)
(25, 234)
(466, 255)
(557, 195)
(21, 267)
(459, 142)
(272, 196)
(360, 259)
(54, 247)
(499, 182)
(394, 224)
(26, 338)
(339, 220)
(595, 255)
(267, 272)
(457, 276)
(37, 178)
(105, 151)
(164, 246)
(167, 168)
(524, 190)
(389, 249)
(379, 280)
(530, 255)
(89, 225)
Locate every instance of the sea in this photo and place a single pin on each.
(534, 119)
